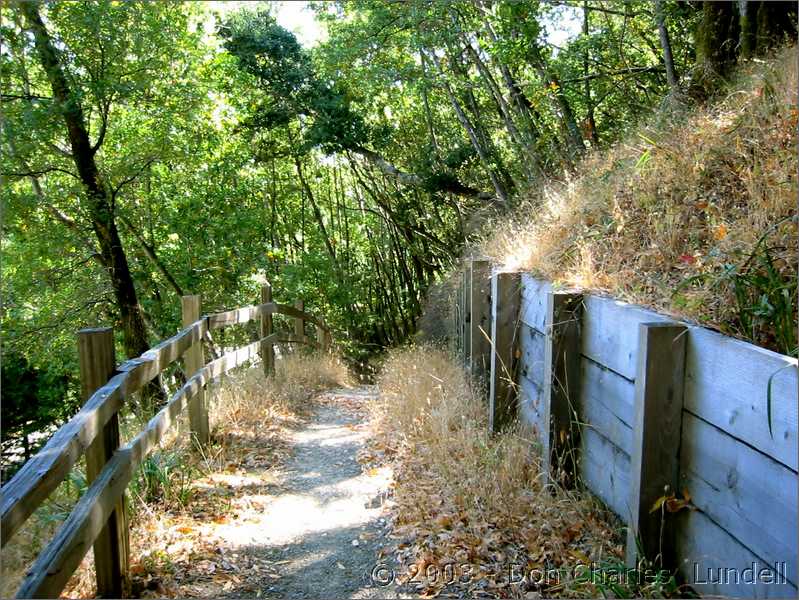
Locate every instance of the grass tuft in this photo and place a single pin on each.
(701, 201)
(468, 499)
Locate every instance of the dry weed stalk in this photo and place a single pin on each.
(675, 207)
(464, 496)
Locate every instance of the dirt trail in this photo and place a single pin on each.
(323, 524)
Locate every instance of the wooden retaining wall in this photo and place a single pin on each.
(653, 405)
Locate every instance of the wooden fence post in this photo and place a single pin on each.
(560, 435)
(480, 322)
(505, 304)
(467, 310)
(323, 339)
(654, 463)
(111, 548)
(193, 361)
(299, 323)
(267, 350)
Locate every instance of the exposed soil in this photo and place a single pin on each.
(322, 520)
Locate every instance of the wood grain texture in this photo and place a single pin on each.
(97, 360)
(560, 439)
(480, 320)
(610, 332)
(59, 559)
(703, 545)
(606, 388)
(505, 302)
(533, 349)
(530, 406)
(38, 477)
(726, 382)
(467, 311)
(266, 329)
(751, 496)
(534, 302)
(605, 470)
(654, 460)
(194, 361)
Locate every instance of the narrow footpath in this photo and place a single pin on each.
(323, 521)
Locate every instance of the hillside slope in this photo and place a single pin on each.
(694, 215)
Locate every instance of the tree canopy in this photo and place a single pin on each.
(155, 149)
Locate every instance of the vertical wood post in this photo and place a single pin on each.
(193, 361)
(111, 548)
(267, 350)
(654, 463)
(299, 323)
(560, 435)
(480, 322)
(323, 339)
(467, 310)
(457, 314)
(505, 304)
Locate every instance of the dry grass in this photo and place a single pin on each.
(179, 496)
(662, 218)
(464, 497)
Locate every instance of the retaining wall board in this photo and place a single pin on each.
(532, 347)
(610, 332)
(534, 302)
(726, 382)
(600, 390)
(605, 470)
(751, 496)
(530, 408)
(703, 545)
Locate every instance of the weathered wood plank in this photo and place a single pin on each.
(560, 439)
(505, 300)
(97, 359)
(56, 563)
(605, 471)
(31, 485)
(530, 406)
(480, 321)
(248, 313)
(654, 461)
(194, 361)
(145, 368)
(610, 332)
(609, 390)
(596, 415)
(533, 349)
(267, 350)
(726, 382)
(703, 545)
(534, 302)
(467, 311)
(747, 493)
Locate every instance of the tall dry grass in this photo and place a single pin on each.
(464, 496)
(662, 218)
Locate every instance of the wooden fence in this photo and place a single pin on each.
(98, 519)
(639, 408)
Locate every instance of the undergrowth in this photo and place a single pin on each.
(178, 492)
(695, 214)
(473, 514)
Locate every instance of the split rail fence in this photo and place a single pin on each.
(99, 517)
(639, 409)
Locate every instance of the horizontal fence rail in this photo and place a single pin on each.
(40, 476)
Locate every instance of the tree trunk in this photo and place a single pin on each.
(470, 130)
(665, 44)
(590, 122)
(100, 206)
